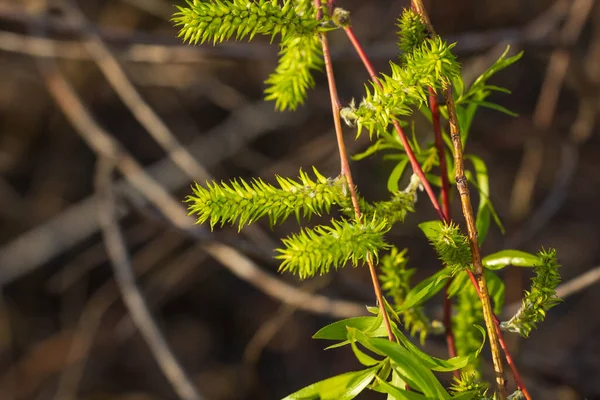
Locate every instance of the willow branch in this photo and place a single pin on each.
(439, 145)
(345, 169)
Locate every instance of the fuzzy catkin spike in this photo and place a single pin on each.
(244, 202)
(395, 280)
(451, 245)
(288, 85)
(411, 31)
(315, 251)
(217, 21)
(540, 298)
(431, 64)
(466, 336)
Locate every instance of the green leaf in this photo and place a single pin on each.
(493, 106)
(438, 364)
(411, 369)
(341, 387)
(460, 281)
(396, 175)
(503, 258)
(396, 393)
(499, 65)
(360, 355)
(496, 290)
(371, 326)
(483, 184)
(426, 289)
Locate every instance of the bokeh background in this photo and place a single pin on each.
(65, 332)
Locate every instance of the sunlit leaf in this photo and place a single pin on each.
(341, 387)
(396, 175)
(516, 258)
(411, 369)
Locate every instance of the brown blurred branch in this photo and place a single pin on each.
(556, 71)
(132, 297)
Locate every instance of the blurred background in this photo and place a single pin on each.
(88, 81)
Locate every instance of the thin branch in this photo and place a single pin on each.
(409, 152)
(132, 297)
(463, 190)
(345, 169)
(439, 145)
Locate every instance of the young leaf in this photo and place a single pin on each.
(496, 290)
(485, 207)
(503, 258)
(396, 175)
(426, 289)
(411, 369)
(371, 326)
(341, 387)
(396, 393)
(438, 364)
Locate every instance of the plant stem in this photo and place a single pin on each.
(465, 199)
(518, 380)
(439, 144)
(345, 170)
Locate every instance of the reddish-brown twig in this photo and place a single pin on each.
(439, 144)
(409, 152)
(345, 169)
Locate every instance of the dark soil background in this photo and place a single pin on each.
(64, 331)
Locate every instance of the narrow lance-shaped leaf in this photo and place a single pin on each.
(504, 258)
(341, 387)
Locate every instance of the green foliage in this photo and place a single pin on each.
(315, 251)
(451, 245)
(343, 387)
(245, 203)
(217, 21)
(540, 298)
(468, 101)
(395, 280)
(485, 209)
(504, 258)
(288, 85)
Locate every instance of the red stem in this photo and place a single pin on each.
(409, 152)
(439, 144)
(345, 169)
(418, 170)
